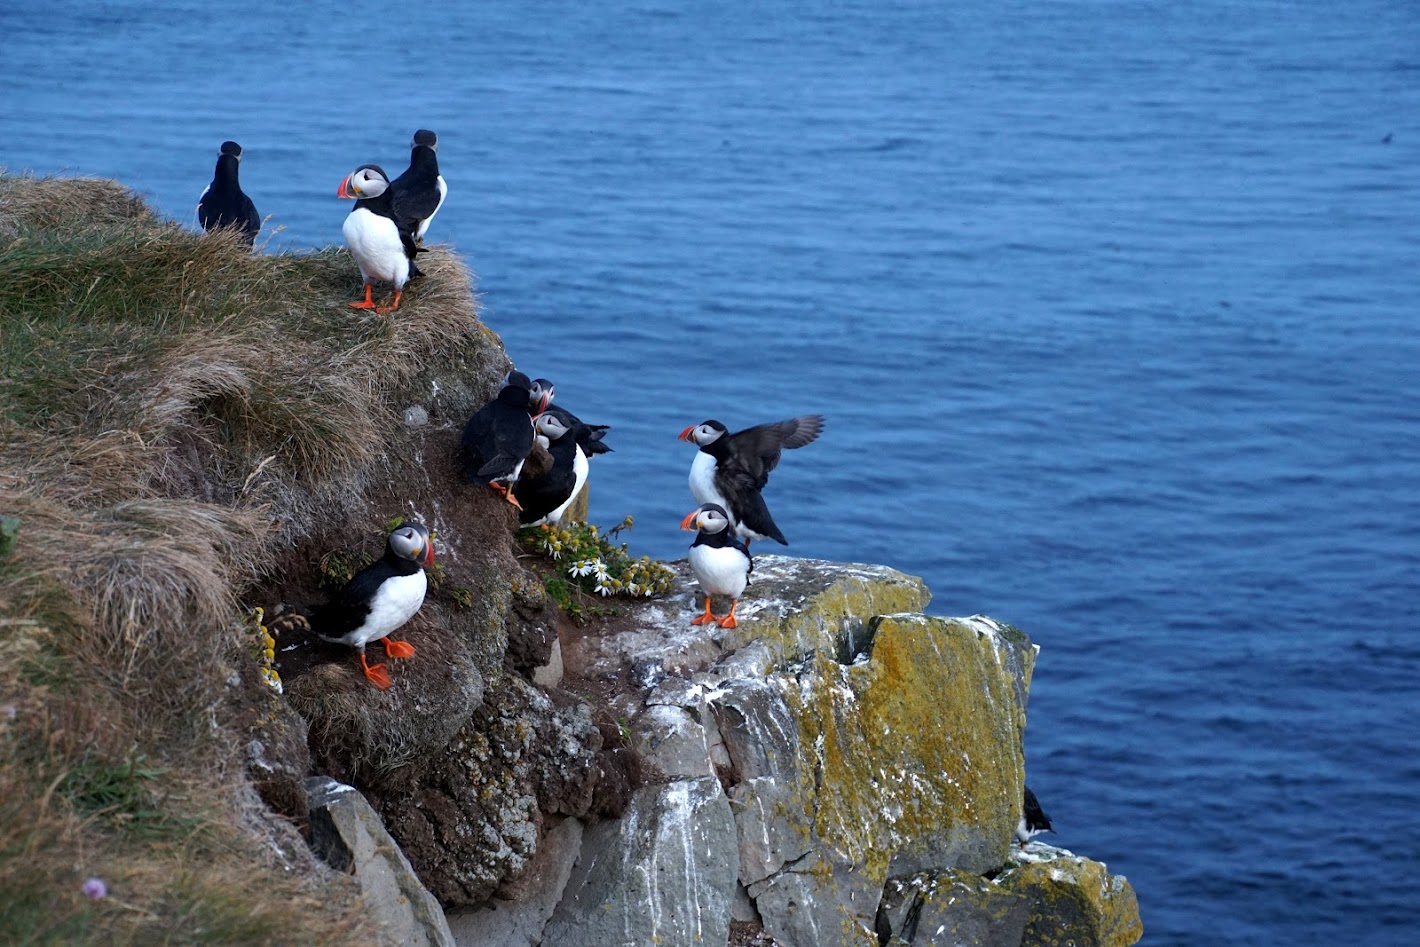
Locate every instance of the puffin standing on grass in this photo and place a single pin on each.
(721, 563)
(1033, 819)
(223, 203)
(419, 192)
(544, 499)
(731, 469)
(376, 602)
(499, 436)
(383, 250)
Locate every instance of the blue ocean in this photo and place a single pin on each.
(1111, 307)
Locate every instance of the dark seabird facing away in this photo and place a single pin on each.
(1033, 819)
(223, 204)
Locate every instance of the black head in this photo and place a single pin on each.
(516, 379)
(232, 148)
(411, 540)
(706, 432)
(426, 138)
(708, 518)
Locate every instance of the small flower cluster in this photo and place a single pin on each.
(596, 566)
(266, 652)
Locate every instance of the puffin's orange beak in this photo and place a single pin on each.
(689, 521)
(542, 405)
(685, 435)
(428, 557)
(344, 189)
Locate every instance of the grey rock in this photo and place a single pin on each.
(416, 416)
(951, 909)
(820, 901)
(350, 837)
(517, 916)
(672, 741)
(662, 874)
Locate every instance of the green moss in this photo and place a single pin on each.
(918, 743)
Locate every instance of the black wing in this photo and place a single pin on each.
(348, 608)
(754, 452)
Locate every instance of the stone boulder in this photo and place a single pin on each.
(350, 837)
(663, 874)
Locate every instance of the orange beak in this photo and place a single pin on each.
(541, 406)
(689, 521)
(428, 557)
(685, 435)
(344, 189)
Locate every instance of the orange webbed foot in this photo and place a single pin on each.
(729, 620)
(382, 310)
(368, 302)
(398, 649)
(378, 676)
(705, 618)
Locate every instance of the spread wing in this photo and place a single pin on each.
(754, 452)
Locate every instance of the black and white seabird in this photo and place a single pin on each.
(419, 192)
(498, 438)
(223, 203)
(589, 436)
(382, 248)
(377, 601)
(731, 469)
(721, 562)
(545, 498)
(1033, 819)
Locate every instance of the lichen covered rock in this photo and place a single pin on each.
(1073, 901)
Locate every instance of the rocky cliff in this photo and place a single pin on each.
(838, 769)
(192, 432)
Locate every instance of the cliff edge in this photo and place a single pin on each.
(194, 437)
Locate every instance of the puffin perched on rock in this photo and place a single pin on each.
(376, 602)
(499, 436)
(383, 249)
(589, 436)
(730, 470)
(721, 563)
(419, 192)
(223, 203)
(1033, 819)
(546, 497)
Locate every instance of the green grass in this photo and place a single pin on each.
(176, 413)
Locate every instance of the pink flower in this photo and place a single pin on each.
(95, 888)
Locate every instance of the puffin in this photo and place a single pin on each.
(376, 602)
(223, 203)
(1033, 819)
(499, 436)
(731, 469)
(589, 436)
(721, 562)
(419, 192)
(383, 249)
(546, 497)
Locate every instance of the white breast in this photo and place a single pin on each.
(424, 224)
(374, 242)
(702, 480)
(580, 468)
(395, 603)
(721, 570)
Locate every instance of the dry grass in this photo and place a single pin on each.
(175, 413)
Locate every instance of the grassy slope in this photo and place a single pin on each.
(175, 413)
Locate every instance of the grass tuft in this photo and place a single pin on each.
(176, 413)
